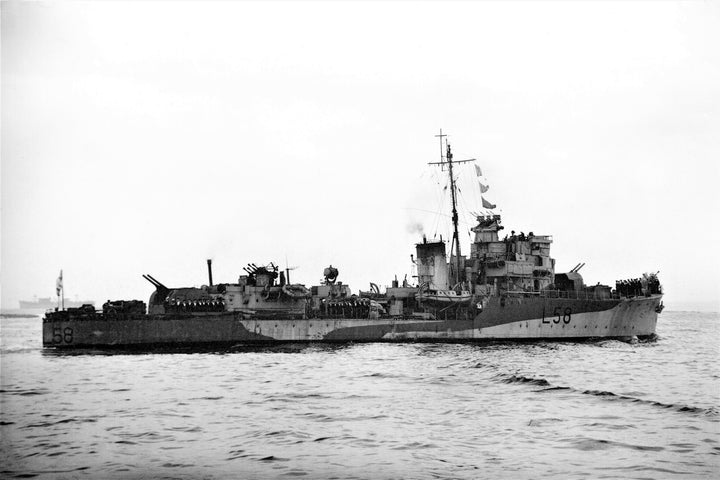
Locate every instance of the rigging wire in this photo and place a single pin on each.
(440, 209)
(467, 205)
(440, 213)
(439, 193)
(466, 210)
(476, 189)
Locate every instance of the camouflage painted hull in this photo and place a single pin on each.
(513, 318)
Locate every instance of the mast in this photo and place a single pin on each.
(448, 160)
(456, 236)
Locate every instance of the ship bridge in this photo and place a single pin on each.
(516, 262)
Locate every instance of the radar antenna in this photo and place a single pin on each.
(448, 160)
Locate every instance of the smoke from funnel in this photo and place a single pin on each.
(415, 227)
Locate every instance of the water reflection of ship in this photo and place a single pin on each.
(48, 302)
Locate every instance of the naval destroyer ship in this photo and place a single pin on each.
(506, 289)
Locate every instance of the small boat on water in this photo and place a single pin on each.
(507, 288)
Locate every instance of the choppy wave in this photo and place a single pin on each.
(25, 392)
(711, 411)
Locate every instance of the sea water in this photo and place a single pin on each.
(592, 409)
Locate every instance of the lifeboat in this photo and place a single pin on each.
(296, 291)
(447, 297)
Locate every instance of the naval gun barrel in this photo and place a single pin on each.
(154, 281)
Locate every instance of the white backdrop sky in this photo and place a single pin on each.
(146, 137)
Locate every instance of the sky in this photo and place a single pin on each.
(146, 137)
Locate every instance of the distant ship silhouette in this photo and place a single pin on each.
(48, 302)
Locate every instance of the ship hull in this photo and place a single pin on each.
(509, 319)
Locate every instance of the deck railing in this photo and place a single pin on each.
(573, 295)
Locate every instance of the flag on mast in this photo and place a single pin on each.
(487, 204)
(59, 284)
(483, 188)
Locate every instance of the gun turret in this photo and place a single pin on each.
(160, 293)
